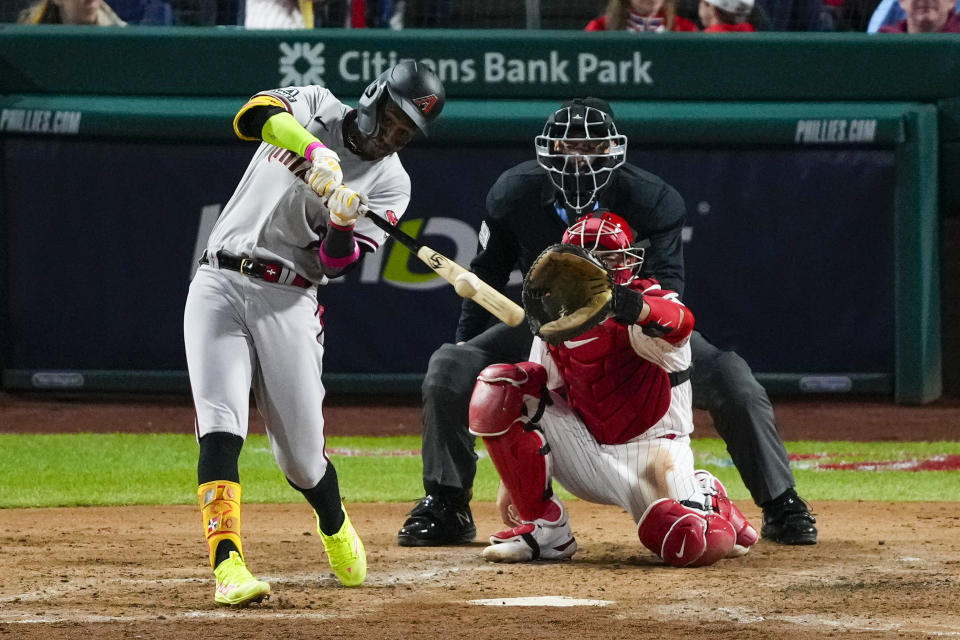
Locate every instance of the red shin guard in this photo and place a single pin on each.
(503, 402)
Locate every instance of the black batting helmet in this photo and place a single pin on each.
(412, 86)
(580, 149)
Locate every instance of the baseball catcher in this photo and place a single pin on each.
(604, 406)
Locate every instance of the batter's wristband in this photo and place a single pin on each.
(626, 305)
(308, 152)
(342, 262)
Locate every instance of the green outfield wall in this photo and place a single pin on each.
(779, 90)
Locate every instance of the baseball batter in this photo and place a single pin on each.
(253, 316)
(608, 413)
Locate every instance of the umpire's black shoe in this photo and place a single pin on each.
(787, 520)
(437, 522)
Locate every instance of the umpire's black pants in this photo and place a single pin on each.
(722, 382)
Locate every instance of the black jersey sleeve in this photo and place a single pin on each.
(657, 213)
(495, 259)
(664, 257)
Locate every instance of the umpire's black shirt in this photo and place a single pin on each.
(522, 221)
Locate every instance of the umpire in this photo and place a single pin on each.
(581, 166)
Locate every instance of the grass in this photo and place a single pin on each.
(119, 469)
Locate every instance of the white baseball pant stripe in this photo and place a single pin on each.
(241, 332)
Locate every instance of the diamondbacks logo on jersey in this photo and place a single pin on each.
(289, 93)
(426, 103)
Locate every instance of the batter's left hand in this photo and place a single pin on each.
(346, 205)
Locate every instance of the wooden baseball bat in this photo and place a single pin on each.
(466, 283)
(469, 284)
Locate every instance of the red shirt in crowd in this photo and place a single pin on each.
(679, 23)
(743, 27)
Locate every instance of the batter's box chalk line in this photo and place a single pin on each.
(540, 601)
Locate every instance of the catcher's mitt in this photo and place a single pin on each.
(566, 292)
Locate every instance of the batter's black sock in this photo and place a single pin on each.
(325, 500)
(219, 453)
(223, 551)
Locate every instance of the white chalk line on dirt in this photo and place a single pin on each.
(258, 614)
(541, 601)
(50, 596)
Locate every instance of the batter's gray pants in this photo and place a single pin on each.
(723, 385)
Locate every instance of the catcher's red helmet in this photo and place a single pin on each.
(609, 237)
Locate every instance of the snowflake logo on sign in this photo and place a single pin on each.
(301, 63)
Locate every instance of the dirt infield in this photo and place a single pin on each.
(881, 570)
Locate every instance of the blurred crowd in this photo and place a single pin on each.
(894, 16)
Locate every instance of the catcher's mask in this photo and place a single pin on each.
(609, 237)
(408, 88)
(580, 149)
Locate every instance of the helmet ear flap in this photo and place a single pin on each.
(369, 107)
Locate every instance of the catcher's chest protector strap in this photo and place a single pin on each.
(679, 377)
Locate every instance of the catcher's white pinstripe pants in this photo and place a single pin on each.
(632, 475)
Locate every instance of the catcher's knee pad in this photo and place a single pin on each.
(505, 394)
(220, 508)
(505, 402)
(684, 537)
(717, 500)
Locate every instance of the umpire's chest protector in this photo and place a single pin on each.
(618, 394)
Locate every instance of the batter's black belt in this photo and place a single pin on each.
(679, 377)
(253, 268)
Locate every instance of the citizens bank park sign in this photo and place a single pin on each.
(302, 63)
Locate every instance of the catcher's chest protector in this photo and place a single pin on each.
(618, 394)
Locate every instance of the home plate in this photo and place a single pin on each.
(541, 601)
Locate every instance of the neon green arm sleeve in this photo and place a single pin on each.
(283, 130)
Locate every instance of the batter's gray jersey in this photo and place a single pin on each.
(242, 332)
(274, 216)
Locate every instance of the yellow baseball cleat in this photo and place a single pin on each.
(348, 559)
(236, 586)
